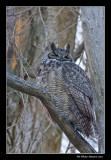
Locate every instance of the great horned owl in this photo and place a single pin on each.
(70, 86)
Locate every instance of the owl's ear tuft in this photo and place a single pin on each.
(67, 48)
(53, 47)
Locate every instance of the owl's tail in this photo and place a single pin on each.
(94, 131)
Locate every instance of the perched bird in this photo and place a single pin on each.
(71, 88)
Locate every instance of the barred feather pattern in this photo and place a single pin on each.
(70, 86)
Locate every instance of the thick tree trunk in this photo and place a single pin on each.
(93, 31)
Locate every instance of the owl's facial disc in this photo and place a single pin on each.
(60, 54)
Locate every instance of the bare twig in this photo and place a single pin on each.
(25, 61)
(21, 12)
(25, 24)
(67, 147)
(66, 29)
(30, 67)
(80, 59)
(17, 145)
(36, 133)
(71, 10)
(38, 46)
(59, 11)
(46, 30)
(47, 129)
(21, 115)
(42, 18)
(77, 10)
(42, 138)
(78, 51)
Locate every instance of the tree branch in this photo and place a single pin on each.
(38, 91)
(78, 51)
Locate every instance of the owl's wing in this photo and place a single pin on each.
(77, 78)
(79, 87)
(83, 103)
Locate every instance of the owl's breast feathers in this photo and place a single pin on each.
(71, 88)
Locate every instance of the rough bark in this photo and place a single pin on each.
(93, 32)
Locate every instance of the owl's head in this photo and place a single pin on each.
(59, 53)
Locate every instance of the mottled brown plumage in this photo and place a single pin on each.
(70, 86)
